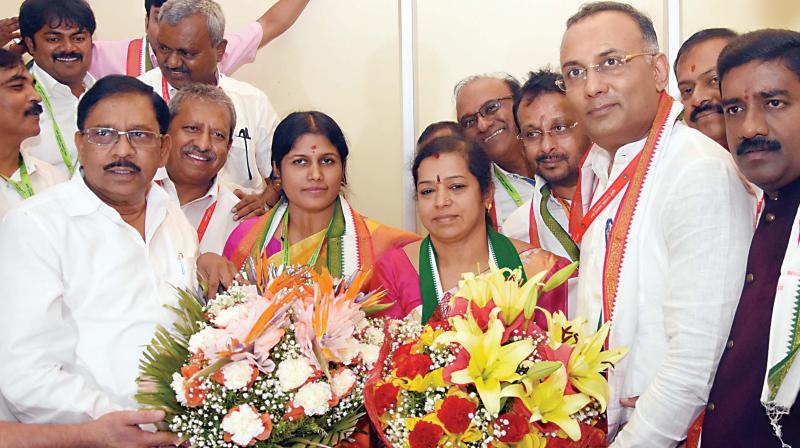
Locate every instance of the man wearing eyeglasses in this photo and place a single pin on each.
(89, 265)
(664, 230)
(555, 142)
(696, 70)
(485, 114)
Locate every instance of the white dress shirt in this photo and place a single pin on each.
(503, 202)
(42, 175)
(82, 296)
(249, 160)
(65, 111)
(221, 223)
(683, 274)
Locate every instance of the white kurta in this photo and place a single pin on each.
(65, 110)
(82, 296)
(42, 175)
(221, 223)
(683, 274)
(249, 160)
(503, 202)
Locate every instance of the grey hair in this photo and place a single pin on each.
(174, 11)
(645, 24)
(510, 81)
(204, 92)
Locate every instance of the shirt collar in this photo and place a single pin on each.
(83, 201)
(30, 165)
(55, 88)
(162, 178)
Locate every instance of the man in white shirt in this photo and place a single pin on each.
(665, 228)
(89, 265)
(201, 127)
(58, 34)
(21, 175)
(483, 108)
(555, 142)
(189, 48)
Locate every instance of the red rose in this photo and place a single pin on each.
(425, 435)
(414, 365)
(385, 397)
(455, 413)
(514, 425)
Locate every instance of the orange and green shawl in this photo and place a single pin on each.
(351, 242)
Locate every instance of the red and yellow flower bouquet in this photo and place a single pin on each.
(488, 376)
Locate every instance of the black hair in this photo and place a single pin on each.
(761, 45)
(117, 85)
(148, 4)
(645, 24)
(477, 160)
(35, 14)
(9, 59)
(297, 124)
(451, 127)
(538, 83)
(700, 37)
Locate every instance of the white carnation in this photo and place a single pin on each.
(293, 373)
(314, 398)
(229, 315)
(179, 386)
(243, 425)
(342, 382)
(237, 374)
(369, 354)
(374, 335)
(210, 340)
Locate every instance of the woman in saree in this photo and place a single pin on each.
(454, 192)
(312, 224)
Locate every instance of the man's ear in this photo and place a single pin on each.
(166, 148)
(29, 44)
(221, 49)
(661, 71)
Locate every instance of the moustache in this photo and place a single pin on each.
(35, 109)
(180, 69)
(705, 108)
(67, 55)
(542, 157)
(757, 143)
(122, 164)
(192, 149)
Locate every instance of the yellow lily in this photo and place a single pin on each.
(490, 363)
(587, 362)
(547, 402)
(562, 331)
(432, 380)
(531, 440)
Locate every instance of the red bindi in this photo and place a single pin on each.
(438, 179)
(693, 68)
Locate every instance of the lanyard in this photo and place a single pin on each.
(555, 228)
(201, 229)
(24, 187)
(164, 89)
(146, 61)
(608, 196)
(315, 256)
(508, 187)
(62, 146)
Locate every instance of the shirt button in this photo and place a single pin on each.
(711, 406)
(730, 344)
(769, 217)
(749, 278)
